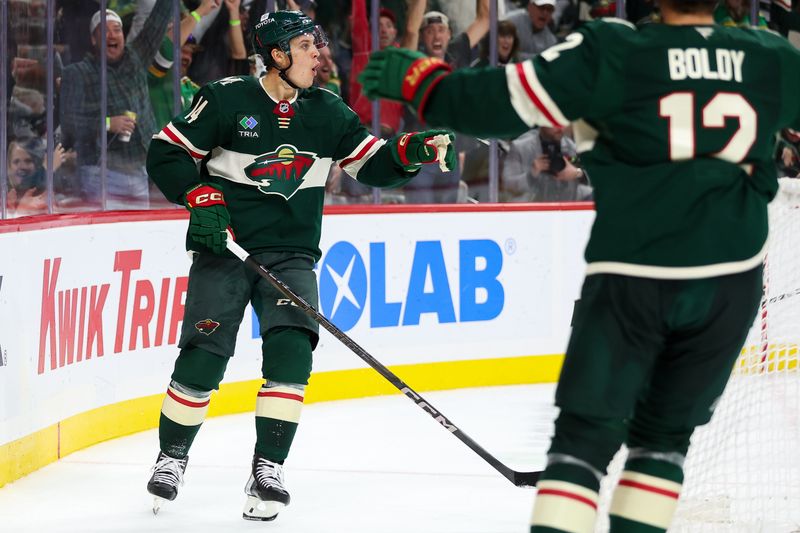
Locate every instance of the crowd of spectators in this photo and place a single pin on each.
(98, 163)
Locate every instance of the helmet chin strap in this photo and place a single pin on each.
(284, 76)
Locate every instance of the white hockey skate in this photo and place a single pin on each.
(167, 476)
(266, 494)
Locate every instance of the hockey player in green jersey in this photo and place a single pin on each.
(676, 125)
(264, 148)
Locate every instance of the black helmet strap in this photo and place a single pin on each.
(282, 72)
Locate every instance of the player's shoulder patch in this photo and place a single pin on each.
(231, 80)
(234, 87)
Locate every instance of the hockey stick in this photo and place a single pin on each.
(520, 479)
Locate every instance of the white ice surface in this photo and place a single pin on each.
(377, 465)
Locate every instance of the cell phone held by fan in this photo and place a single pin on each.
(552, 149)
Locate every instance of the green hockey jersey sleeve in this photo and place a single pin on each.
(560, 85)
(475, 102)
(574, 79)
(366, 157)
(172, 161)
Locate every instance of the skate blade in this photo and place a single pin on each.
(255, 509)
(157, 503)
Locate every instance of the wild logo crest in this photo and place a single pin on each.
(282, 171)
(207, 326)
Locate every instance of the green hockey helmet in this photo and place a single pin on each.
(276, 29)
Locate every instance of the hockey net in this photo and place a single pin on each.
(742, 473)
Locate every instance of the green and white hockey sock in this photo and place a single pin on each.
(278, 408)
(182, 413)
(647, 493)
(566, 499)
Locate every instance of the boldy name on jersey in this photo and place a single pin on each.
(697, 63)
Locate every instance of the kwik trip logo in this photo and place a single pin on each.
(79, 323)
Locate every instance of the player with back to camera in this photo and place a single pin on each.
(265, 146)
(676, 124)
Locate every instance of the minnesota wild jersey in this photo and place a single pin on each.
(676, 128)
(270, 158)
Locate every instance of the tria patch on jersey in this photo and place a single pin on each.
(282, 171)
(248, 126)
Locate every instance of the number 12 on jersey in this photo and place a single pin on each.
(678, 108)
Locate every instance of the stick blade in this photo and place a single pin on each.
(526, 479)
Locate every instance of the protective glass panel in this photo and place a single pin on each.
(26, 175)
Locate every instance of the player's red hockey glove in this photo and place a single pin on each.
(410, 150)
(208, 217)
(400, 74)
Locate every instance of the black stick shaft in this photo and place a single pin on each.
(520, 479)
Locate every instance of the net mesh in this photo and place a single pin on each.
(742, 473)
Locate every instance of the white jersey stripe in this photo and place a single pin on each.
(529, 99)
(662, 272)
(170, 134)
(585, 136)
(164, 137)
(230, 165)
(363, 152)
(542, 95)
(525, 108)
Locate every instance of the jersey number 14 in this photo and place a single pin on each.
(679, 108)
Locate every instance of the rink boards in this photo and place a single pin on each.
(91, 308)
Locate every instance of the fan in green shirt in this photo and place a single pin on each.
(160, 80)
(736, 13)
